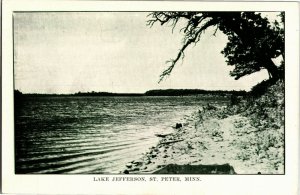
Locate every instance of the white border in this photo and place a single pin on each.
(210, 184)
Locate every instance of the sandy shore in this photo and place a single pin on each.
(208, 139)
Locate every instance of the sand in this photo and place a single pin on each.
(208, 139)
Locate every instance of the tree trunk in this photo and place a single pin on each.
(272, 69)
(265, 61)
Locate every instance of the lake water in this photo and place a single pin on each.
(92, 134)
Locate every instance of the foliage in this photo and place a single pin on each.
(260, 88)
(180, 92)
(252, 41)
(266, 115)
(252, 48)
(18, 93)
(261, 131)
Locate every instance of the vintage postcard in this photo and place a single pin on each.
(150, 97)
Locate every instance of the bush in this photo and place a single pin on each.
(260, 88)
(265, 109)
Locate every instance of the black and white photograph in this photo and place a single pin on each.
(149, 95)
(149, 92)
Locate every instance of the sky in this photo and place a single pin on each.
(68, 52)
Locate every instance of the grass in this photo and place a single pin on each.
(260, 138)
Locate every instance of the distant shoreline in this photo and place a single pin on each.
(164, 92)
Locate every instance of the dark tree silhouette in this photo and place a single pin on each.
(252, 40)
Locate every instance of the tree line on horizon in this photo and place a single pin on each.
(182, 92)
(155, 92)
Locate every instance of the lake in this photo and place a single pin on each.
(72, 135)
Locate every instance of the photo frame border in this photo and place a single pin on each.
(39, 183)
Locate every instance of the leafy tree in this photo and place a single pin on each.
(252, 40)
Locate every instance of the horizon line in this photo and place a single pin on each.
(131, 93)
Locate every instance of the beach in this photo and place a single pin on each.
(220, 136)
(212, 141)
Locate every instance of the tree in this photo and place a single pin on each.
(252, 40)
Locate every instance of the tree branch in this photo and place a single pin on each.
(191, 37)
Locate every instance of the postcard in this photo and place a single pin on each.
(140, 97)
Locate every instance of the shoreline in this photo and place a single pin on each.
(210, 137)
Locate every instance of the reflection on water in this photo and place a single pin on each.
(91, 134)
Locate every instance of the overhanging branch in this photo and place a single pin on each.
(191, 37)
